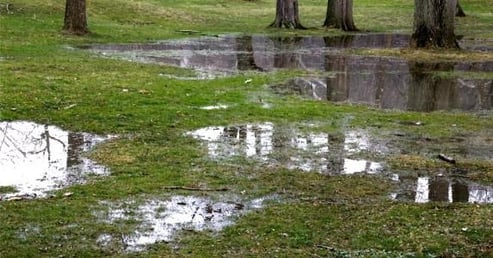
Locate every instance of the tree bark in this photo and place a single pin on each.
(75, 21)
(287, 15)
(434, 24)
(340, 15)
(330, 15)
(459, 12)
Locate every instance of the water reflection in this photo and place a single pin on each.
(37, 158)
(442, 189)
(379, 81)
(161, 220)
(292, 148)
(412, 87)
(230, 54)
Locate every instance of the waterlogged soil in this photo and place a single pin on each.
(161, 220)
(354, 151)
(36, 159)
(385, 82)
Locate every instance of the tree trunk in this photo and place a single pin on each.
(75, 21)
(340, 15)
(330, 16)
(434, 24)
(459, 12)
(287, 15)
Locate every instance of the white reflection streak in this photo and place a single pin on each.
(422, 190)
(480, 194)
(267, 131)
(251, 142)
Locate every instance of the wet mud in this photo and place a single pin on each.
(162, 220)
(36, 159)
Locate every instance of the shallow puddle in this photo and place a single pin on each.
(385, 82)
(36, 158)
(161, 220)
(230, 54)
(441, 189)
(293, 148)
(336, 154)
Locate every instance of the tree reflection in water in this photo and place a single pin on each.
(37, 158)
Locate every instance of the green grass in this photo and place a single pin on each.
(43, 79)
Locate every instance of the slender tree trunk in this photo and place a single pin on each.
(459, 12)
(340, 15)
(75, 21)
(434, 24)
(287, 15)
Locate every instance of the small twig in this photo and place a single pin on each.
(325, 247)
(195, 213)
(196, 188)
(188, 31)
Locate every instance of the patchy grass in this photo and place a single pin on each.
(7, 189)
(44, 79)
(430, 55)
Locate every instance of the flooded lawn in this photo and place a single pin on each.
(343, 154)
(36, 159)
(162, 220)
(385, 82)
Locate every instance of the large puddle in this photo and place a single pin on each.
(36, 159)
(384, 82)
(293, 148)
(336, 154)
(162, 220)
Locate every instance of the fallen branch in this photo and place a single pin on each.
(446, 158)
(196, 188)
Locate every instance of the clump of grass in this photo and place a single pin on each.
(7, 189)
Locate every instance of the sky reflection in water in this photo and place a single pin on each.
(36, 158)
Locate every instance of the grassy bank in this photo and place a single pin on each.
(46, 80)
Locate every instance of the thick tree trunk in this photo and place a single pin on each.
(287, 15)
(75, 21)
(330, 15)
(340, 15)
(434, 24)
(459, 12)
